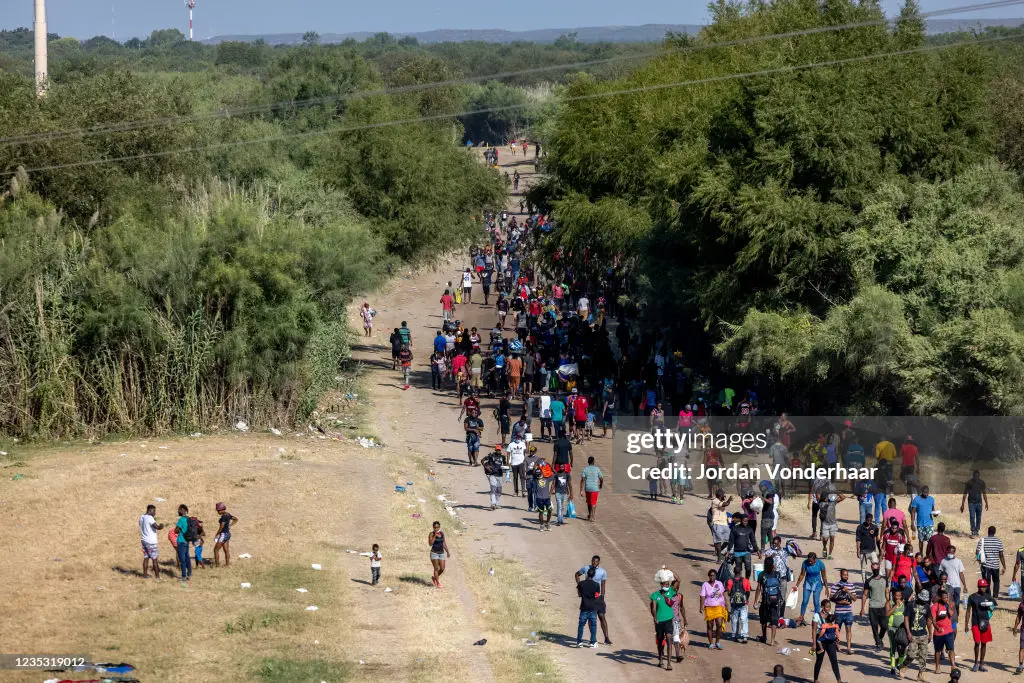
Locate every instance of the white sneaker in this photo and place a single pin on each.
(593, 646)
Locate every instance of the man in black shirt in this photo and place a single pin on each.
(743, 542)
(868, 544)
(979, 613)
(563, 454)
(916, 620)
(591, 602)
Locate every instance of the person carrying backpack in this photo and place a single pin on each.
(492, 465)
(768, 600)
(738, 590)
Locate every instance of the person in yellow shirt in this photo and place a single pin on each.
(885, 453)
(885, 450)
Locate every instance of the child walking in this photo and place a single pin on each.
(375, 565)
(200, 540)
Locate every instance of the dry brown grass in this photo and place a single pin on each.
(71, 527)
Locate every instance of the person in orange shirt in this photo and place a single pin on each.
(515, 374)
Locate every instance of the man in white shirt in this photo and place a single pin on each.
(150, 552)
(467, 287)
(583, 307)
(953, 567)
(516, 451)
(545, 414)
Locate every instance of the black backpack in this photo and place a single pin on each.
(738, 594)
(193, 529)
(772, 590)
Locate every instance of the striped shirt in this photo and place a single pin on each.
(992, 547)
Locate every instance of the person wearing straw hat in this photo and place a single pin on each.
(662, 612)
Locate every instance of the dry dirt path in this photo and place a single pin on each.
(634, 536)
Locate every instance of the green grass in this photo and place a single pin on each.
(278, 670)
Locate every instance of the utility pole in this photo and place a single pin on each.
(191, 4)
(42, 81)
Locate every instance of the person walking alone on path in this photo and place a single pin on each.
(150, 551)
(367, 313)
(517, 461)
(405, 359)
(439, 553)
(975, 492)
(591, 483)
(601, 576)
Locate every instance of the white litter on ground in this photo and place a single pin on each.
(302, 590)
(312, 608)
(244, 556)
(275, 432)
(241, 426)
(388, 589)
(162, 447)
(317, 566)
(159, 500)
(246, 585)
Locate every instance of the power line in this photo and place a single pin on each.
(573, 98)
(128, 126)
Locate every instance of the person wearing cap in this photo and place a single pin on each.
(916, 617)
(943, 633)
(530, 473)
(545, 478)
(492, 465)
(516, 460)
(223, 538)
(980, 607)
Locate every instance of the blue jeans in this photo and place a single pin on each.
(561, 500)
(865, 509)
(880, 507)
(811, 587)
(975, 511)
(184, 560)
(589, 618)
(738, 620)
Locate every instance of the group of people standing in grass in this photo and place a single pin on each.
(185, 535)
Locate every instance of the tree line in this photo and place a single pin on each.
(847, 237)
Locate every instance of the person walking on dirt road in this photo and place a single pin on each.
(439, 553)
(150, 552)
(222, 541)
(662, 613)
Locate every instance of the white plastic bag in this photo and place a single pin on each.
(1014, 591)
(792, 600)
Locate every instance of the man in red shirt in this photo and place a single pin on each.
(579, 411)
(904, 565)
(908, 452)
(893, 540)
(447, 305)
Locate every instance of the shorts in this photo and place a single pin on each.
(663, 632)
(581, 424)
(829, 530)
(677, 629)
(473, 444)
(542, 505)
(720, 533)
(844, 619)
(925, 532)
(770, 614)
(717, 612)
(944, 642)
(980, 637)
(438, 556)
(479, 269)
(592, 498)
(150, 551)
(609, 418)
(221, 538)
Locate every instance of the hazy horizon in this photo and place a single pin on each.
(139, 18)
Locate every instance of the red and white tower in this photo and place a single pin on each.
(191, 4)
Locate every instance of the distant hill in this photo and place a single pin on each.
(589, 34)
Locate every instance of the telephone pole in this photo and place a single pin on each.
(40, 36)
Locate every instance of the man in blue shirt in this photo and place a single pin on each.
(601, 577)
(921, 509)
(558, 416)
(439, 343)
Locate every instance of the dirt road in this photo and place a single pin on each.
(633, 536)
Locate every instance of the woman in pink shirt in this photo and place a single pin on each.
(712, 606)
(685, 419)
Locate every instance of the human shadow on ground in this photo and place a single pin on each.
(415, 580)
(362, 581)
(630, 657)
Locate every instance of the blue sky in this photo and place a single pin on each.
(86, 18)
